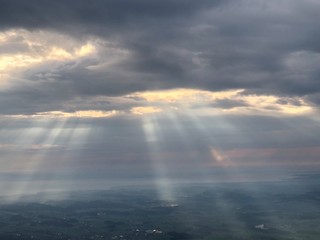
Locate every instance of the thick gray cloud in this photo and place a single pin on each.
(265, 47)
(105, 14)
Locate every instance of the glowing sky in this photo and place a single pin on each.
(159, 90)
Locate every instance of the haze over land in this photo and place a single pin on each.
(98, 93)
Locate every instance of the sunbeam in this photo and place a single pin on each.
(162, 181)
(36, 144)
(39, 146)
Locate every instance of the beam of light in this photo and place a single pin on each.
(222, 163)
(233, 171)
(187, 139)
(23, 142)
(38, 141)
(32, 164)
(77, 140)
(72, 136)
(163, 184)
(29, 138)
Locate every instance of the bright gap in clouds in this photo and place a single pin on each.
(203, 103)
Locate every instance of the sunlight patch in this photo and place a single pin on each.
(219, 157)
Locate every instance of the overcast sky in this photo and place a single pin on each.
(170, 89)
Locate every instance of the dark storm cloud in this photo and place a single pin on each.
(265, 47)
(107, 15)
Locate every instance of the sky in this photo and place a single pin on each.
(157, 91)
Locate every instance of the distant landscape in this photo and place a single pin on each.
(279, 210)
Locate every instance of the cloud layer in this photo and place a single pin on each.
(171, 88)
(62, 50)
